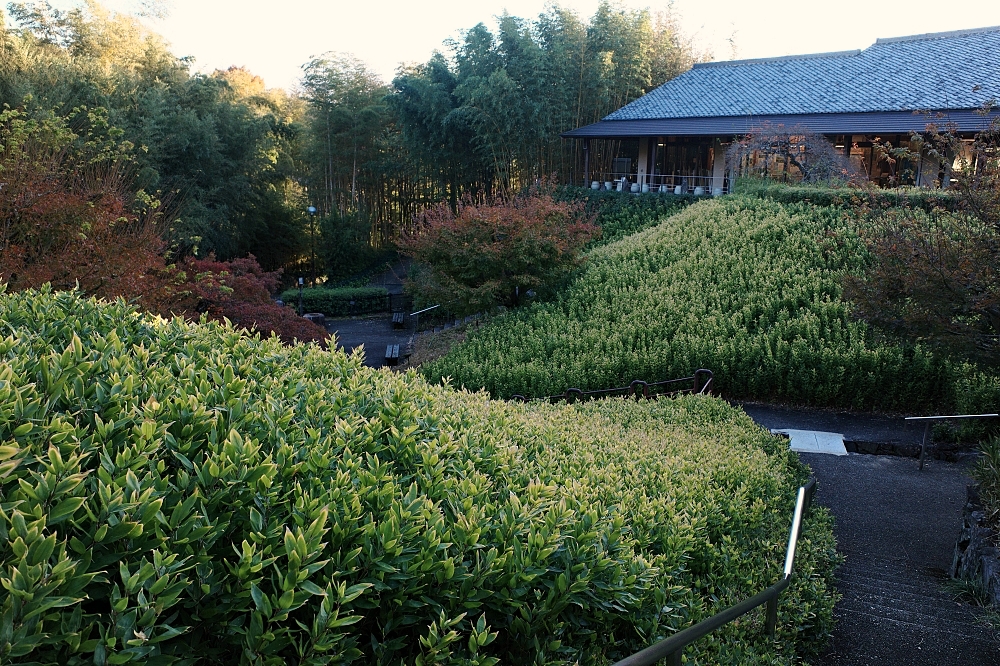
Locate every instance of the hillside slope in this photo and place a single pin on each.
(745, 286)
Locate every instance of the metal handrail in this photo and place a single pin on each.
(927, 428)
(671, 180)
(637, 388)
(420, 312)
(672, 648)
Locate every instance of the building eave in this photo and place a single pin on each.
(885, 122)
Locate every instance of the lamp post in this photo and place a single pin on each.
(300, 296)
(312, 241)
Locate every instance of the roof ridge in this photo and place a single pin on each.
(755, 61)
(937, 35)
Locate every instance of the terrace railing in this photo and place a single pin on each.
(663, 183)
(672, 648)
(699, 382)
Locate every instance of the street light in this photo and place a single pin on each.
(312, 241)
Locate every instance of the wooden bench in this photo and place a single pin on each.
(392, 354)
(397, 320)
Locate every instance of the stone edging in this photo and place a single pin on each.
(977, 559)
(935, 450)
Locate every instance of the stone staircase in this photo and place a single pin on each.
(897, 528)
(894, 614)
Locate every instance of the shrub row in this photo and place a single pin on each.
(339, 302)
(745, 286)
(909, 197)
(621, 214)
(182, 493)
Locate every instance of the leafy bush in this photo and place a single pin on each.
(175, 492)
(745, 286)
(339, 302)
(240, 291)
(932, 277)
(621, 214)
(487, 255)
(987, 474)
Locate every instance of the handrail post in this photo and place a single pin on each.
(923, 445)
(927, 427)
(772, 616)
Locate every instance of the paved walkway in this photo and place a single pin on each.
(897, 528)
(374, 333)
(853, 426)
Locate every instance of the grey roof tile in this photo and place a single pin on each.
(954, 70)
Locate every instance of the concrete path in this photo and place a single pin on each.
(854, 426)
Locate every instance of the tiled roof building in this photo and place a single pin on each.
(894, 87)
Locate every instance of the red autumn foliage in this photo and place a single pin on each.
(489, 254)
(65, 220)
(240, 291)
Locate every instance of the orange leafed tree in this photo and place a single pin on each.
(65, 217)
(485, 255)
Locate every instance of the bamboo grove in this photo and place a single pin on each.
(236, 164)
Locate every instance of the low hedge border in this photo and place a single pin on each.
(341, 301)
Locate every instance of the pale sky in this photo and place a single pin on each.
(275, 38)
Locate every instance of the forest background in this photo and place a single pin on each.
(229, 167)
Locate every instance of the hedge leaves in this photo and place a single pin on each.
(186, 493)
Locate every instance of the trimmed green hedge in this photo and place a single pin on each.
(909, 197)
(338, 302)
(621, 214)
(184, 493)
(745, 286)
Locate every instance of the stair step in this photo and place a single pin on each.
(908, 596)
(903, 575)
(968, 631)
(937, 608)
(927, 590)
(930, 615)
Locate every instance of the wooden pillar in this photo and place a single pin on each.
(718, 167)
(586, 162)
(643, 160)
(949, 158)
